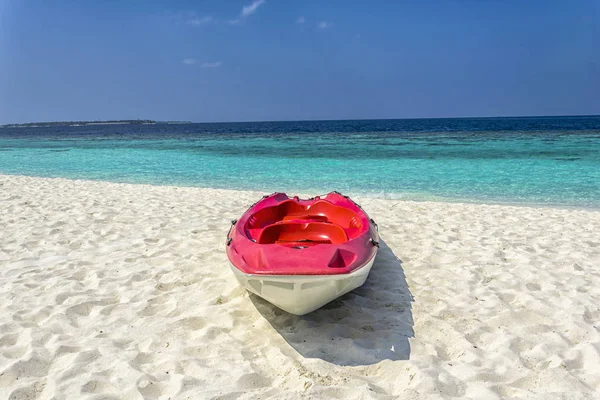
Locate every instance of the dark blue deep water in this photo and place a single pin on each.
(552, 160)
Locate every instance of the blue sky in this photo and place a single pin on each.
(288, 60)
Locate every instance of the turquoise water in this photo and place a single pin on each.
(553, 161)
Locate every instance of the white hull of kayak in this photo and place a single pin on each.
(301, 294)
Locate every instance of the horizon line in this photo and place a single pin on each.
(308, 120)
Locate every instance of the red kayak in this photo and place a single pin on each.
(301, 254)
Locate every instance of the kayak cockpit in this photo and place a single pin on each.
(292, 224)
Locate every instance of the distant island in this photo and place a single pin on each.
(88, 123)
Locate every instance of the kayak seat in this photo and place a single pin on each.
(302, 234)
(306, 217)
(321, 212)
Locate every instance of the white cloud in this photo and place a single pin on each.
(200, 20)
(215, 64)
(246, 11)
(300, 20)
(189, 61)
(323, 25)
(250, 9)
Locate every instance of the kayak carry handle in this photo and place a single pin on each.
(374, 223)
(229, 240)
(374, 242)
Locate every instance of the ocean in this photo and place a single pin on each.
(529, 161)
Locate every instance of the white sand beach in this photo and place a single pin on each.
(119, 291)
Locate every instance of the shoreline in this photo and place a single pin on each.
(303, 193)
(119, 290)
